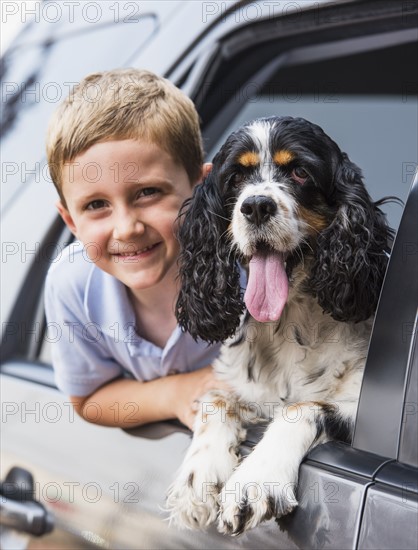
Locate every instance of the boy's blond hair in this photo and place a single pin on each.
(124, 104)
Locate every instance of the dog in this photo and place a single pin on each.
(286, 204)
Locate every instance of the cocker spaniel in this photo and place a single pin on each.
(289, 206)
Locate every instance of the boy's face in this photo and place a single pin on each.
(123, 198)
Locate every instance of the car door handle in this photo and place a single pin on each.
(26, 517)
(18, 508)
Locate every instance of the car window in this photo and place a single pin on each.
(366, 102)
(36, 78)
(363, 94)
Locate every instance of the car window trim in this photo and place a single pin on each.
(381, 403)
(28, 308)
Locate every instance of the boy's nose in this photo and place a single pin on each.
(127, 226)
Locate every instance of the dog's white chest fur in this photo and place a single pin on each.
(305, 355)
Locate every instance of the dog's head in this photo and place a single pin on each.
(283, 198)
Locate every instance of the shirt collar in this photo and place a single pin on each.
(107, 304)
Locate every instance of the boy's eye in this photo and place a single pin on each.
(95, 205)
(148, 191)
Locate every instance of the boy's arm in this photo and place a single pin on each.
(127, 403)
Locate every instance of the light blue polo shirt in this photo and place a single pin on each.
(91, 329)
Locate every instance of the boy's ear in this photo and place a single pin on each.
(66, 216)
(207, 167)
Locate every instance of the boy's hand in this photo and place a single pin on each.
(190, 388)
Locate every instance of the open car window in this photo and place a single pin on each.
(362, 92)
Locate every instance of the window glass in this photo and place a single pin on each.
(35, 79)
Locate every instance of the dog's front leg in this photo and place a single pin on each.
(264, 485)
(192, 500)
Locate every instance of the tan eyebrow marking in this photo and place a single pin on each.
(283, 157)
(250, 158)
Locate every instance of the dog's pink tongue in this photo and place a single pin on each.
(267, 288)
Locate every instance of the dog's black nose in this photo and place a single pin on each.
(258, 208)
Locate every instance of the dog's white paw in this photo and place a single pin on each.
(193, 499)
(253, 494)
(192, 502)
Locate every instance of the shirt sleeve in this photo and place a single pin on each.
(81, 361)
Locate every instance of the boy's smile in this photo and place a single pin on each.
(122, 199)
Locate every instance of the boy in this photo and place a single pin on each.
(124, 152)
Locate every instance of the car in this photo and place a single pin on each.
(349, 66)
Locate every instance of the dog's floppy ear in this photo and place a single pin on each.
(353, 251)
(209, 303)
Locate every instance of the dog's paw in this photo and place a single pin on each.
(251, 496)
(193, 503)
(193, 499)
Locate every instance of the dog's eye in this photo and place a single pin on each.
(236, 178)
(300, 175)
